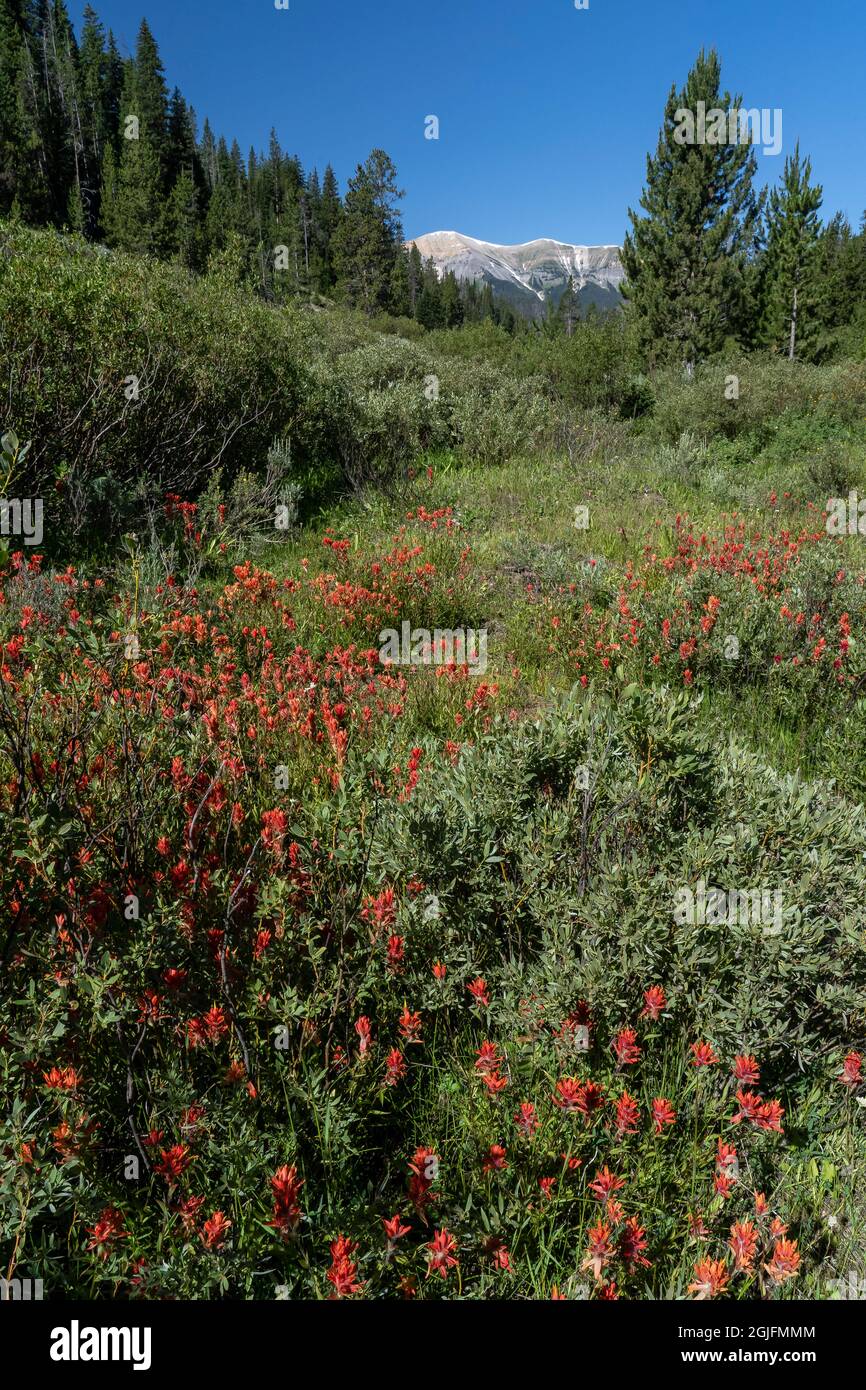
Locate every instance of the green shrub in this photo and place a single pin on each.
(770, 390)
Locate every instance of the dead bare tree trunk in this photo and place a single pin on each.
(793, 342)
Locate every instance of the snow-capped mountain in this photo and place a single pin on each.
(530, 274)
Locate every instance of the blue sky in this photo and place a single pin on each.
(546, 112)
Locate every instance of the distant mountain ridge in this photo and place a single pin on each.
(532, 273)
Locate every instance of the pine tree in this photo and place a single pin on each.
(64, 136)
(48, 135)
(180, 148)
(452, 304)
(318, 241)
(148, 96)
(208, 156)
(400, 298)
(228, 215)
(471, 296)
(183, 232)
(687, 258)
(568, 309)
(133, 208)
(16, 132)
(416, 277)
(134, 193)
(840, 274)
(369, 235)
(835, 296)
(98, 121)
(430, 311)
(330, 216)
(116, 69)
(789, 320)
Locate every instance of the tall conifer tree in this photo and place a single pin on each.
(370, 234)
(790, 311)
(687, 256)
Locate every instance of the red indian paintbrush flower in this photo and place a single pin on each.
(494, 1082)
(62, 1079)
(632, 1243)
(703, 1055)
(750, 1106)
(410, 1026)
(663, 1113)
(494, 1159)
(785, 1261)
(394, 1227)
(627, 1114)
(215, 1230)
(188, 1212)
(343, 1274)
(442, 1257)
(525, 1120)
(395, 1067)
(215, 1023)
(766, 1114)
(600, 1249)
(286, 1187)
(851, 1074)
(478, 990)
(744, 1244)
(626, 1048)
(711, 1279)
(569, 1094)
(381, 911)
(697, 1226)
(108, 1228)
(274, 827)
(424, 1168)
(745, 1069)
(364, 1030)
(727, 1159)
(173, 1162)
(654, 1001)
(591, 1101)
(770, 1116)
(605, 1184)
(488, 1057)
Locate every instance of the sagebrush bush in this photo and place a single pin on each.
(770, 390)
(133, 379)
